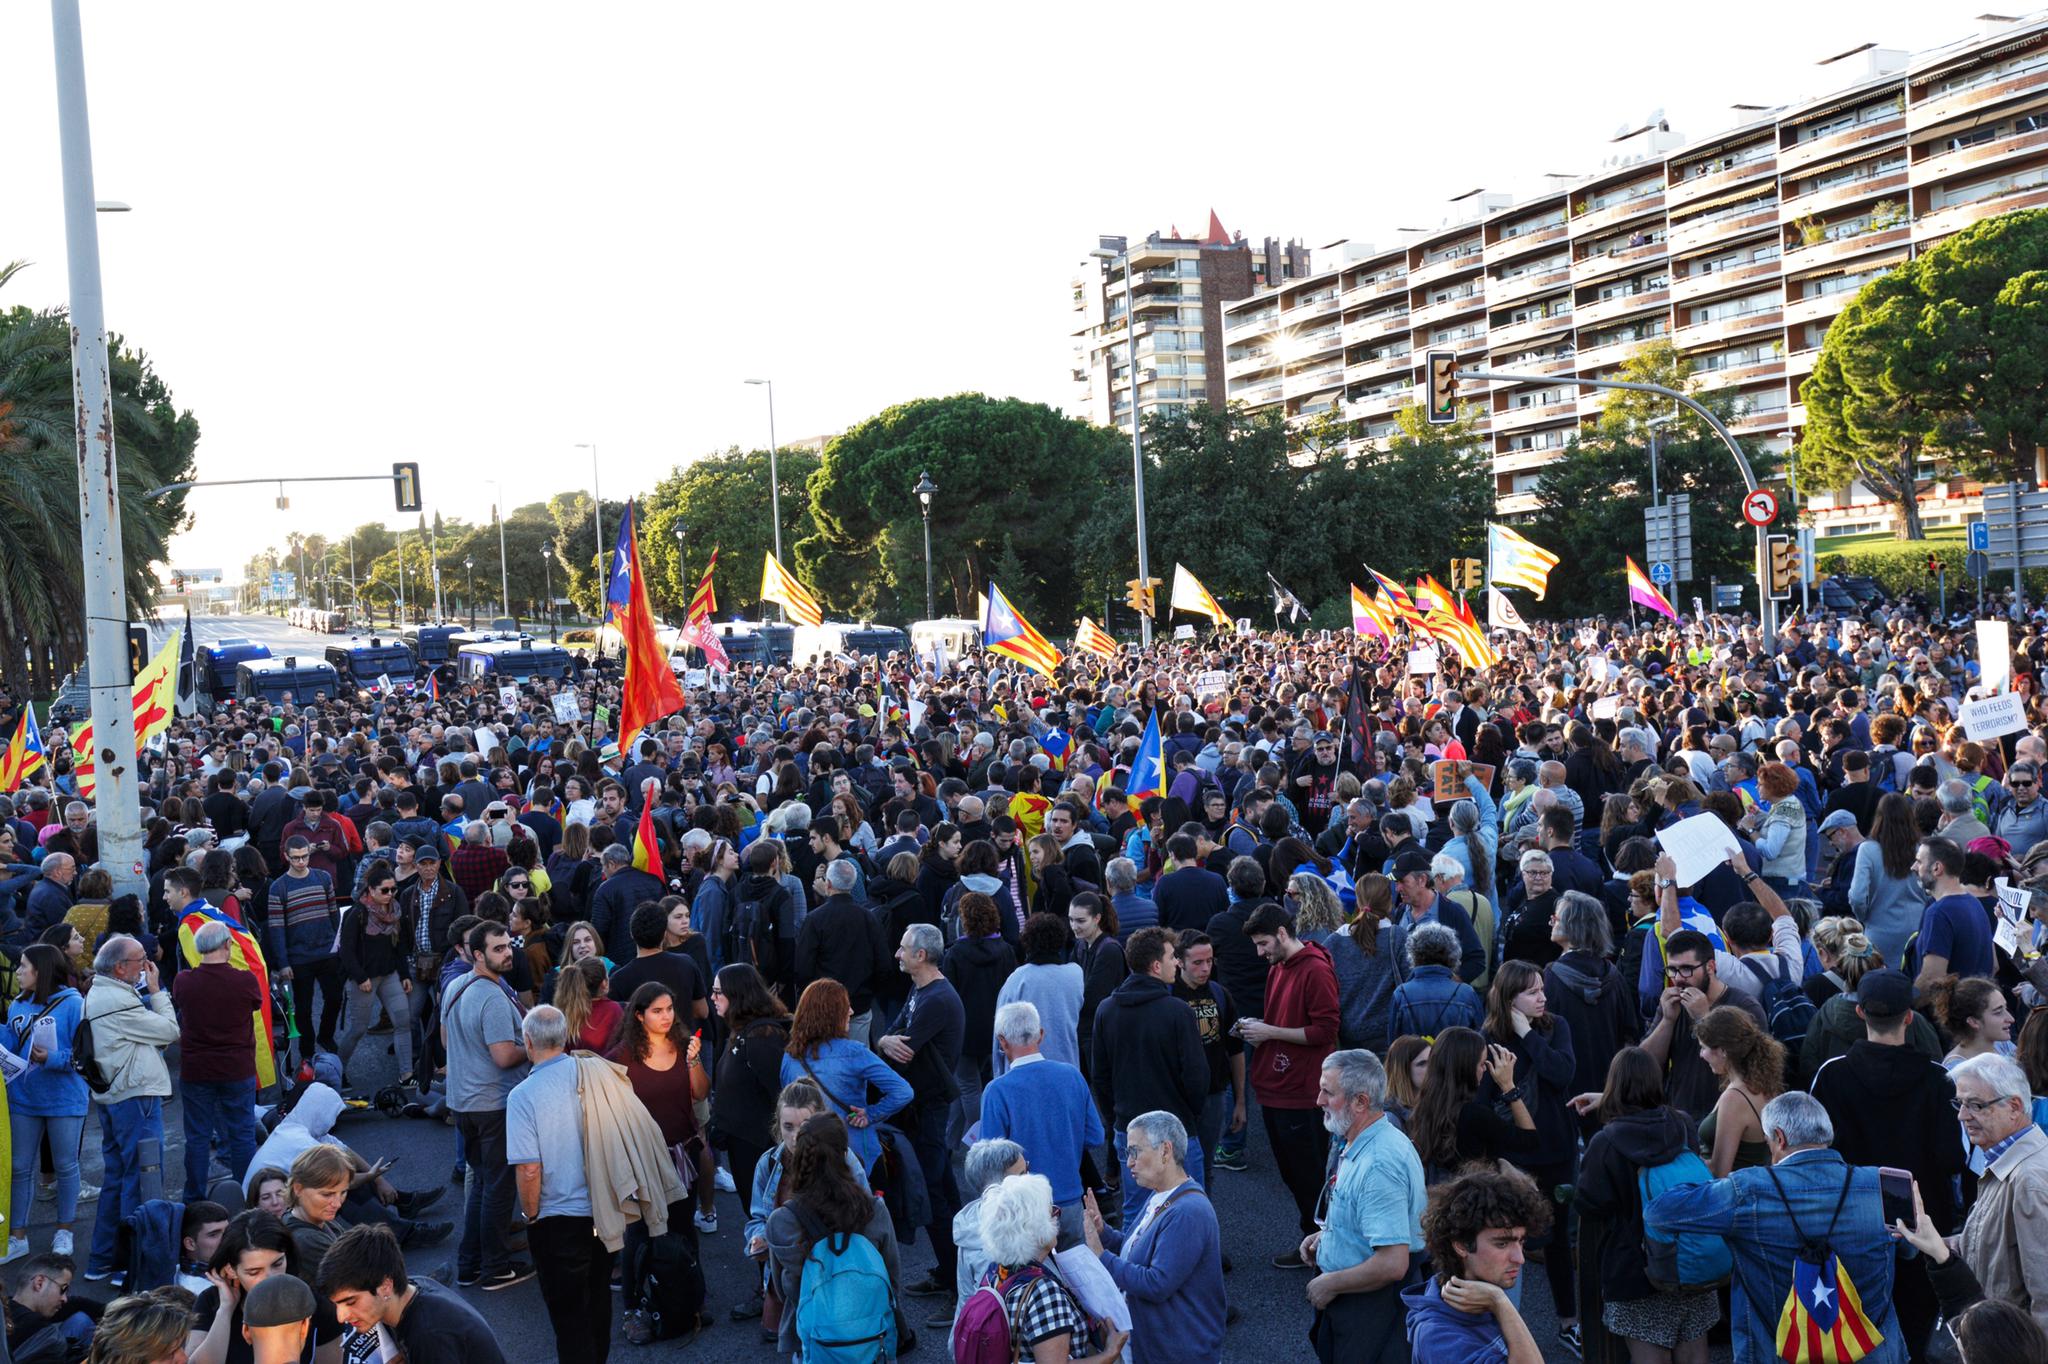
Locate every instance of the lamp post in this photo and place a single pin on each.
(469, 567)
(924, 490)
(547, 568)
(683, 563)
(504, 572)
(774, 482)
(1137, 440)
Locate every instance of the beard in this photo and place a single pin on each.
(1335, 1124)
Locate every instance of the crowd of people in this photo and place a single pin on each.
(890, 947)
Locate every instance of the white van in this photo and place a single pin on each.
(959, 637)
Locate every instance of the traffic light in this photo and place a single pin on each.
(1784, 566)
(1140, 596)
(1934, 565)
(1468, 579)
(1442, 380)
(405, 483)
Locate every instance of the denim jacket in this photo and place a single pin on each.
(1746, 1209)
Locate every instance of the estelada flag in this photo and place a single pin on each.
(25, 751)
(1823, 1321)
(245, 954)
(1005, 631)
(650, 690)
(1148, 772)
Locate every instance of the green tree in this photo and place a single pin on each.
(1984, 298)
(723, 499)
(1004, 468)
(579, 562)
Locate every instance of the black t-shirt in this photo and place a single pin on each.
(207, 1306)
(440, 1328)
(672, 969)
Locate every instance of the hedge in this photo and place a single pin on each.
(1901, 567)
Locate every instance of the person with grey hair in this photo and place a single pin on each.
(1018, 1228)
(2022, 821)
(841, 941)
(1045, 1107)
(1585, 990)
(2005, 1239)
(1169, 1264)
(622, 890)
(1769, 1215)
(221, 1013)
(132, 1022)
(544, 1145)
(1959, 822)
(989, 1162)
(925, 1046)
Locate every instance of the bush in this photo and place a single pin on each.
(1901, 567)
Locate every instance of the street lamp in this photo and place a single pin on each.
(504, 571)
(1137, 441)
(469, 567)
(924, 490)
(683, 563)
(547, 562)
(774, 483)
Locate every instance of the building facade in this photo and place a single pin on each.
(1739, 249)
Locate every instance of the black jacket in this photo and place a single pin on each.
(1238, 964)
(978, 967)
(841, 941)
(1890, 1106)
(272, 809)
(1148, 1053)
(1189, 898)
(1590, 995)
(613, 902)
(1103, 969)
(1606, 1190)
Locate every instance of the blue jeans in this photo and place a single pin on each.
(1135, 1194)
(131, 1157)
(1233, 1141)
(28, 1131)
(218, 1113)
(1208, 1132)
(487, 1205)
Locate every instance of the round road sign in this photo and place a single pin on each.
(1760, 508)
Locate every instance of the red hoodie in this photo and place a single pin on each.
(1301, 992)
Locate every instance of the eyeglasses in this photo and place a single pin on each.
(518, 885)
(1974, 1105)
(718, 992)
(1679, 968)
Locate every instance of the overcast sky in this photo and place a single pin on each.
(474, 235)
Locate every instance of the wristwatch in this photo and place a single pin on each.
(1749, 876)
(1664, 883)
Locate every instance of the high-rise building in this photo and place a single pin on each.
(1739, 248)
(1176, 286)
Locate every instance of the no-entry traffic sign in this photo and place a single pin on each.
(1760, 508)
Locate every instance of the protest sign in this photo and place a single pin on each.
(566, 710)
(1422, 661)
(1994, 717)
(508, 697)
(1698, 845)
(1443, 777)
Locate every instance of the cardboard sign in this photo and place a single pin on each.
(1994, 655)
(1994, 717)
(1604, 707)
(566, 709)
(1698, 845)
(1443, 777)
(508, 697)
(602, 718)
(1422, 661)
(695, 677)
(1212, 683)
(1244, 625)
(1183, 632)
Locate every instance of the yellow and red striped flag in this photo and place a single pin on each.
(704, 601)
(155, 702)
(25, 752)
(1371, 615)
(778, 585)
(1513, 561)
(1091, 638)
(1005, 631)
(1189, 595)
(1404, 605)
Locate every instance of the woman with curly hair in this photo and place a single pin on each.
(1975, 1014)
(1751, 1064)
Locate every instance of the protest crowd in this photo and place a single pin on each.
(1688, 976)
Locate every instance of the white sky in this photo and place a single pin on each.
(474, 235)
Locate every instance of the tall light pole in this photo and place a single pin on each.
(1137, 440)
(469, 567)
(117, 800)
(596, 508)
(774, 483)
(683, 563)
(504, 574)
(547, 567)
(924, 490)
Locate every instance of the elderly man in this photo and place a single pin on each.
(624, 887)
(2005, 1240)
(925, 1046)
(1372, 1226)
(51, 897)
(1959, 822)
(215, 1001)
(1808, 1194)
(544, 1145)
(132, 1022)
(1045, 1107)
(1550, 777)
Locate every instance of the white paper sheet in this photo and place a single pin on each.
(13, 1067)
(1994, 655)
(1098, 1293)
(1994, 717)
(1698, 845)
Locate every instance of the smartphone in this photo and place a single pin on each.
(1895, 1187)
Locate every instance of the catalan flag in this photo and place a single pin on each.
(704, 601)
(777, 585)
(1642, 592)
(1512, 561)
(1005, 632)
(1091, 638)
(1459, 628)
(25, 752)
(154, 701)
(1824, 1321)
(1403, 604)
(1371, 615)
(1189, 595)
(1148, 771)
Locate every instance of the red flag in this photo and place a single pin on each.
(646, 848)
(651, 690)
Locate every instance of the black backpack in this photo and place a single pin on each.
(671, 1284)
(83, 1059)
(753, 930)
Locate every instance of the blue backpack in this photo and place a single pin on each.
(1690, 1259)
(845, 1309)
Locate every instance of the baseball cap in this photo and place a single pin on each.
(1884, 993)
(1409, 863)
(425, 850)
(280, 1300)
(1840, 819)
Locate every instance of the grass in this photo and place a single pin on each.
(1842, 544)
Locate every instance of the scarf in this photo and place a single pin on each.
(381, 921)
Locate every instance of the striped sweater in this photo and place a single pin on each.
(302, 920)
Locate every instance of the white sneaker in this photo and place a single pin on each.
(723, 1180)
(707, 1222)
(17, 1246)
(60, 1244)
(88, 1192)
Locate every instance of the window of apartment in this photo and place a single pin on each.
(1736, 259)
(1622, 194)
(1977, 191)
(2011, 68)
(1540, 223)
(1381, 430)
(1740, 357)
(1873, 169)
(1647, 235)
(1559, 306)
(1876, 112)
(1470, 329)
(1541, 265)
(1536, 355)
(1767, 400)
(1992, 132)
(1643, 329)
(1535, 440)
(1745, 306)
(1729, 160)
(1537, 397)
(1759, 203)
(1841, 284)
(1640, 284)
(1264, 317)
(1453, 294)
(1456, 251)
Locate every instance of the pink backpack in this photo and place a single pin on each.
(981, 1332)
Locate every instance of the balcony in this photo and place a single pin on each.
(1360, 294)
(1436, 314)
(1618, 214)
(1947, 221)
(1250, 324)
(1613, 353)
(1735, 375)
(1602, 264)
(1449, 267)
(1144, 302)
(1695, 188)
(1506, 248)
(1699, 235)
(1798, 365)
(1499, 291)
(1376, 325)
(1961, 103)
(1709, 282)
(1379, 367)
(1557, 364)
(1948, 165)
(1257, 397)
(1518, 334)
(1855, 191)
(1728, 328)
(1524, 461)
(1464, 346)
(1256, 362)
(1316, 341)
(1803, 154)
(1381, 404)
(1819, 308)
(1513, 504)
(1800, 255)
(1607, 310)
(1310, 306)
(1300, 385)
(1536, 414)
(1768, 423)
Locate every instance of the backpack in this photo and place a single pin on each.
(1884, 773)
(845, 1308)
(1979, 800)
(1823, 1321)
(83, 1058)
(752, 929)
(671, 1284)
(1688, 1260)
(1787, 1010)
(981, 1331)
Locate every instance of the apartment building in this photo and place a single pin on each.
(1172, 289)
(1738, 248)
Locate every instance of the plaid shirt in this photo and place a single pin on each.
(1040, 1307)
(477, 869)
